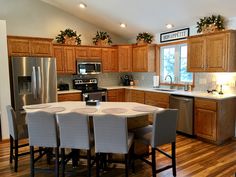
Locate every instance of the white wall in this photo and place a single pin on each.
(36, 18)
(4, 79)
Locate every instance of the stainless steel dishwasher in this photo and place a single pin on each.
(185, 107)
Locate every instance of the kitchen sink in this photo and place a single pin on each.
(165, 89)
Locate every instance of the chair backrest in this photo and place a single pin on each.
(74, 130)
(164, 127)
(42, 128)
(12, 125)
(110, 134)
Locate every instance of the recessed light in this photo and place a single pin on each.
(123, 25)
(169, 26)
(82, 5)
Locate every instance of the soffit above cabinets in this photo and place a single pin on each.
(149, 16)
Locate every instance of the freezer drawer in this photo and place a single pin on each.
(185, 119)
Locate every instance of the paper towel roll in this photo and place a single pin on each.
(155, 81)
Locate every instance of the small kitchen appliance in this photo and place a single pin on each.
(126, 80)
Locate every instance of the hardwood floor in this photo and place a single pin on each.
(194, 159)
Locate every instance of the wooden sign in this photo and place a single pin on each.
(174, 35)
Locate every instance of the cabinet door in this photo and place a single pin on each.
(116, 95)
(70, 63)
(216, 52)
(95, 53)
(81, 52)
(137, 96)
(140, 58)
(196, 54)
(41, 48)
(125, 58)
(18, 47)
(157, 99)
(59, 55)
(109, 60)
(205, 123)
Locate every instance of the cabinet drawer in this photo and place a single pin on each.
(206, 104)
(69, 97)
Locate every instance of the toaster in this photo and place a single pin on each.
(63, 87)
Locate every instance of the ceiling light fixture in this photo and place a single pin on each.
(123, 25)
(82, 5)
(169, 26)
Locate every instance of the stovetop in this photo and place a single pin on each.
(87, 85)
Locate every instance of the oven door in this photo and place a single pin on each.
(101, 96)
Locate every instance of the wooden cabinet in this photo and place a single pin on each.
(87, 52)
(125, 58)
(134, 96)
(109, 60)
(144, 57)
(69, 97)
(65, 57)
(212, 52)
(29, 46)
(157, 99)
(116, 95)
(214, 119)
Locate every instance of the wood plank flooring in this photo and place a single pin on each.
(194, 159)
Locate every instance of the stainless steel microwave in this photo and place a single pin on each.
(86, 67)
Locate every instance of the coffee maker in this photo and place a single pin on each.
(126, 80)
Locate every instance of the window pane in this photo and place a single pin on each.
(168, 63)
(184, 75)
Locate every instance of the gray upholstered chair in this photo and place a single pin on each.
(17, 132)
(42, 128)
(163, 131)
(111, 136)
(75, 134)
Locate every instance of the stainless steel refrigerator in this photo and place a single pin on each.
(33, 81)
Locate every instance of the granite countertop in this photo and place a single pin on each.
(199, 94)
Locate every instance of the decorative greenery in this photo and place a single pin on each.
(147, 37)
(69, 33)
(205, 22)
(102, 36)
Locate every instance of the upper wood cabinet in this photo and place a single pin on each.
(125, 58)
(65, 57)
(109, 59)
(29, 46)
(85, 52)
(212, 52)
(144, 57)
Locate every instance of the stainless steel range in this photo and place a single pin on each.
(90, 90)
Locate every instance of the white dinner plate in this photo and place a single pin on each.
(114, 110)
(84, 110)
(54, 109)
(37, 106)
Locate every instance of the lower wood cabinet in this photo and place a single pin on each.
(69, 97)
(214, 119)
(116, 95)
(157, 99)
(134, 96)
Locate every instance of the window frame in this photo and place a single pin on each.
(159, 72)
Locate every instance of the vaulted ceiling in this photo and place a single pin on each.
(149, 16)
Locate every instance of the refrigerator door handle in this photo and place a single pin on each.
(34, 82)
(39, 82)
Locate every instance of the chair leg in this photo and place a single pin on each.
(132, 158)
(173, 148)
(32, 161)
(153, 162)
(57, 162)
(16, 155)
(89, 162)
(126, 166)
(11, 149)
(63, 161)
(97, 164)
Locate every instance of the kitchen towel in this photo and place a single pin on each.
(155, 81)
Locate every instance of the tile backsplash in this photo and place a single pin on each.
(203, 81)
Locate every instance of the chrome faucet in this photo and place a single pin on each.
(171, 86)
